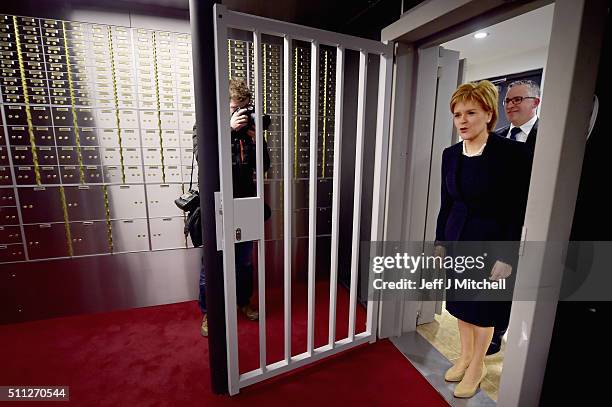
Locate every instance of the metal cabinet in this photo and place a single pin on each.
(130, 138)
(134, 174)
(62, 116)
(130, 235)
(46, 240)
(113, 174)
(109, 138)
(40, 204)
(7, 197)
(160, 200)
(10, 234)
(85, 203)
(150, 138)
(67, 156)
(170, 138)
(6, 178)
(132, 156)
(91, 156)
(89, 238)
(11, 252)
(127, 201)
(167, 233)
(169, 120)
(148, 119)
(9, 215)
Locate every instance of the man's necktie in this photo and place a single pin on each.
(514, 132)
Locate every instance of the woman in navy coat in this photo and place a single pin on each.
(485, 180)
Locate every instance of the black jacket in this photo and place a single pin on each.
(499, 215)
(531, 137)
(243, 162)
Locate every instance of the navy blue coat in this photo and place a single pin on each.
(499, 215)
(495, 213)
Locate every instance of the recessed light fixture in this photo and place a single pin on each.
(481, 35)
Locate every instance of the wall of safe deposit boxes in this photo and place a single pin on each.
(96, 136)
(95, 142)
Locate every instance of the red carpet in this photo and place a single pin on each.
(155, 356)
(248, 331)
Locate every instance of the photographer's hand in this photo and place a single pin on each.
(239, 120)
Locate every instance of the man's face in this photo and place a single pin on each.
(520, 113)
(234, 104)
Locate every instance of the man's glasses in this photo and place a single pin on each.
(517, 100)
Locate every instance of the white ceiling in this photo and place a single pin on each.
(511, 37)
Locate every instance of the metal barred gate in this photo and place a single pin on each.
(243, 219)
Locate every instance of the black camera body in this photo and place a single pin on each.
(252, 119)
(188, 201)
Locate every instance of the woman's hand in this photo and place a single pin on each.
(439, 251)
(500, 271)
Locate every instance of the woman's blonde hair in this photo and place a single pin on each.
(483, 93)
(239, 91)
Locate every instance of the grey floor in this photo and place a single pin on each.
(432, 365)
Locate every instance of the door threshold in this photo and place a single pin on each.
(432, 365)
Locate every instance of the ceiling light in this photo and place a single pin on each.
(481, 35)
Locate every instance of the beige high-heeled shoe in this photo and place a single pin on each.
(467, 390)
(455, 373)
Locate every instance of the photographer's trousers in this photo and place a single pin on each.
(244, 276)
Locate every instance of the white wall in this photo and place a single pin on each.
(509, 64)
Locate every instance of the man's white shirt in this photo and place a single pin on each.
(525, 129)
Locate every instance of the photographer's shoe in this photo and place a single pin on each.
(250, 313)
(204, 326)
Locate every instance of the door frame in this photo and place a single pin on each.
(571, 72)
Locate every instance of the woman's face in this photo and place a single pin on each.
(470, 119)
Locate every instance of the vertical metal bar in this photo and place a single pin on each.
(333, 278)
(312, 206)
(261, 246)
(381, 158)
(227, 193)
(288, 187)
(248, 65)
(361, 104)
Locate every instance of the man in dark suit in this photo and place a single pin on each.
(520, 104)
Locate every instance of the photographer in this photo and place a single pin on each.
(242, 123)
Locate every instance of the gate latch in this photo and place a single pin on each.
(219, 220)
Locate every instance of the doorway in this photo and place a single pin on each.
(515, 49)
(574, 42)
